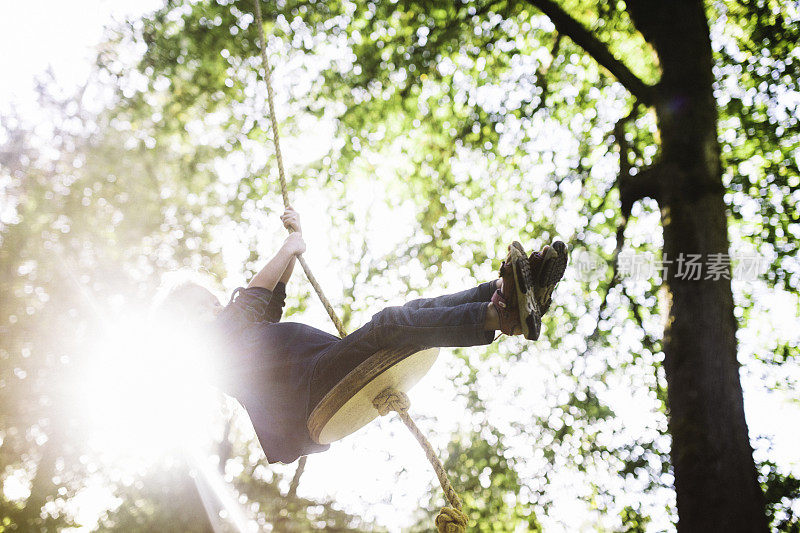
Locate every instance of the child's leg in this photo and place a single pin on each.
(481, 293)
(408, 325)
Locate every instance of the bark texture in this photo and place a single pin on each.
(715, 477)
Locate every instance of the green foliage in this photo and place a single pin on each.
(477, 116)
(633, 521)
(143, 503)
(489, 486)
(119, 199)
(780, 490)
(757, 73)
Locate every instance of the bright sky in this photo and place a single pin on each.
(37, 34)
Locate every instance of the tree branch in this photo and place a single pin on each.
(645, 184)
(615, 280)
(541, 74)
(225, 447)
(301, 467)
(567, 25)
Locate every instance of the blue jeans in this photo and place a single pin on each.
(450, 320)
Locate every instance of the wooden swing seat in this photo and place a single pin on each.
(347, 407)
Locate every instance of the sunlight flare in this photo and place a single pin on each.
(145, 388)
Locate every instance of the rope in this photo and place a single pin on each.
(282, 173)
(450, 519)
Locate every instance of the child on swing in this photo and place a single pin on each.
(279, 371)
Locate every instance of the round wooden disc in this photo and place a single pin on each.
(347, 407)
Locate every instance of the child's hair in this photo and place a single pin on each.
(170, 297)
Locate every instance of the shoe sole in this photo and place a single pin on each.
(551, 273)
(529, 316)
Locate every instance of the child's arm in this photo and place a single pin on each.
(291, 221)
(280, 267)
(288, 272)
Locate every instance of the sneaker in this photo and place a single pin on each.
(507, 312)
(518, 280)
(547, 268)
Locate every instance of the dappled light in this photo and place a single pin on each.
(417, 141)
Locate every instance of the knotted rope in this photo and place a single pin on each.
(450, 519)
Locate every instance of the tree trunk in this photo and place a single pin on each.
(715, 476)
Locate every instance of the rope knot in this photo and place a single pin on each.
(391, 400)
(451, 520)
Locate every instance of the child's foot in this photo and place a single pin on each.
(507, 313)
(547, 267)
(518, 280)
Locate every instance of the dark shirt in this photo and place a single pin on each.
(269, 367)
